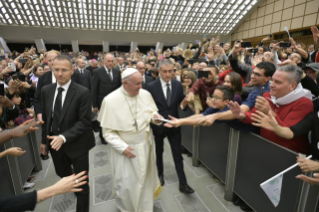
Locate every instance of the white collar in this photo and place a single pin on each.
(65, 86)
(106, 68)
(294, 95)
(164, 83)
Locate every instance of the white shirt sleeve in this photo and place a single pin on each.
(276, 60)
(114, 140)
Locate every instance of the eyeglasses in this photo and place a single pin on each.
(216, 97)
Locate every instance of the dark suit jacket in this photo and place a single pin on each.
(102, 85)
(46, 79)
(147, 81)
(75, 120)
(90, 68)
(86, 78)
(155, 88)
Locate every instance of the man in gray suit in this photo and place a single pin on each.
(85, 74)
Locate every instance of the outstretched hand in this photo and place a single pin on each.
(25, 128)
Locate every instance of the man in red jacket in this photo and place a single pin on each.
(287, 101)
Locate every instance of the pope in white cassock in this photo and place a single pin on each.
(125, 118)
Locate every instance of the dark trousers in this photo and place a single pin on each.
(62, 164)
(176, 147)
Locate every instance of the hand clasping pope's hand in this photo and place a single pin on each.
(174, 122)
(158, 116)
(128, 152)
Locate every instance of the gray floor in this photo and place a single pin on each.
(208, 196)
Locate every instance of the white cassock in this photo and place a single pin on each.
(135, 180)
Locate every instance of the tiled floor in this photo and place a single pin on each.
(208, 196)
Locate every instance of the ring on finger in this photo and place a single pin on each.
(76, 181)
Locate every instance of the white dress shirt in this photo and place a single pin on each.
(109, 72)
(53, 78)
(64, 92)
(164, 87)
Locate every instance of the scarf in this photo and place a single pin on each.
(296, 94)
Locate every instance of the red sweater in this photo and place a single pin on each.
(287, 116)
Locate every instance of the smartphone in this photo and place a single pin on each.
(1, 89)
(204, 36)
(202, 74)
(196, 41)
(254, 50)
(29, 82)
(207, 94)
(12, 66)
(15, 77)
(221, 45)
(262, 91)
(285, 44)
(246, 44)
(2, 57)
(21, 77)
(23, 61)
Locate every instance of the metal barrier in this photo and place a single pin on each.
(16, 170)
(244, 160)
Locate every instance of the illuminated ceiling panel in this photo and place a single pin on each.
(169, 16)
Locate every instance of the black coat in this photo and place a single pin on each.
(86, 78)
(155, 88)
(148, 80)
(75, 120)
(102, 85)
(46, 79)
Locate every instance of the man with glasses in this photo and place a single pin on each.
(260, 80)
(67, 131)
(219, 101)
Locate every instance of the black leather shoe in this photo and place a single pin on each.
(44, 157)
(161, 178)
(238, 202)
(246, 208)
(186, 189)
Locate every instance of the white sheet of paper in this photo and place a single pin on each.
(163, 120)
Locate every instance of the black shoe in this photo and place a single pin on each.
(44, 157)
(185, 189)
(161, 178)
(246, 208)
(238, 202)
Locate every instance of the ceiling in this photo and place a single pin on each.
(155, 16)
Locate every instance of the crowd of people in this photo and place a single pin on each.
(267, 90)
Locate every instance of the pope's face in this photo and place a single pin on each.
(134, 84)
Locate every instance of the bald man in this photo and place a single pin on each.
(106, 79)
(140, 66)
(85, 74)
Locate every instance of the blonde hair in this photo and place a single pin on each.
(188, 53)
(53, 51)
